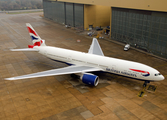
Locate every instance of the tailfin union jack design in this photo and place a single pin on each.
(31, 31)
(36, 44)
(36, 40)
(33, 34)
(144, 73)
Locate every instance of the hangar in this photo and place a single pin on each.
(62, 97)
(142, 24)
(77, 14)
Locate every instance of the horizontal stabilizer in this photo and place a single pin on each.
(60, 71)
(24, 49)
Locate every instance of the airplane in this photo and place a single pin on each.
(83, 64)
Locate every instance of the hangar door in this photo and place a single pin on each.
(59, 12)
(48, 13)
(146, 29)
(69, 14)
(65, 13)
(75, 15)
(46, 9)
(54, 11)
(79, 16)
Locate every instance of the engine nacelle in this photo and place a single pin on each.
(90, 79)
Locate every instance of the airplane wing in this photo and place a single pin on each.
(95, 48)
(60, 71)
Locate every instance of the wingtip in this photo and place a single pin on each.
(10, 78)
(12, 49)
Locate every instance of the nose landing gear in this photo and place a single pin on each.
(145, 84)
(141, 93)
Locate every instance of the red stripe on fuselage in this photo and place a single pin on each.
(31, 31)
(139, 71)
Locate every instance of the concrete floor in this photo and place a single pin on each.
(65, 98)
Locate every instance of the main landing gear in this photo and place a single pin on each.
(75, 76)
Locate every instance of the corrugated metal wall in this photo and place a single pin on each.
(79, 15)
(65, 13)
(59, 12)
(69, 14)
(45, 5)
(147, 29)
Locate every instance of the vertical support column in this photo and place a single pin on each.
(65, 12)
(83, 16)
(110, 21)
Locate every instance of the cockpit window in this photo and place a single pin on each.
(157, 74)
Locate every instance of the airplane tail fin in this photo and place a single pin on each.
(36, 40)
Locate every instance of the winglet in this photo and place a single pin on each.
(95, 48)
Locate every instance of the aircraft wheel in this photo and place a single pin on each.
(145, 85)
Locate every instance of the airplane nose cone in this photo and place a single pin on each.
(162, 77)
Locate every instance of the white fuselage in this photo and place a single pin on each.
(108, 64)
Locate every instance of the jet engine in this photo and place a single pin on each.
(90, 79)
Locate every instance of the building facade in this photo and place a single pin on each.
(140, 23)
(77, 15)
